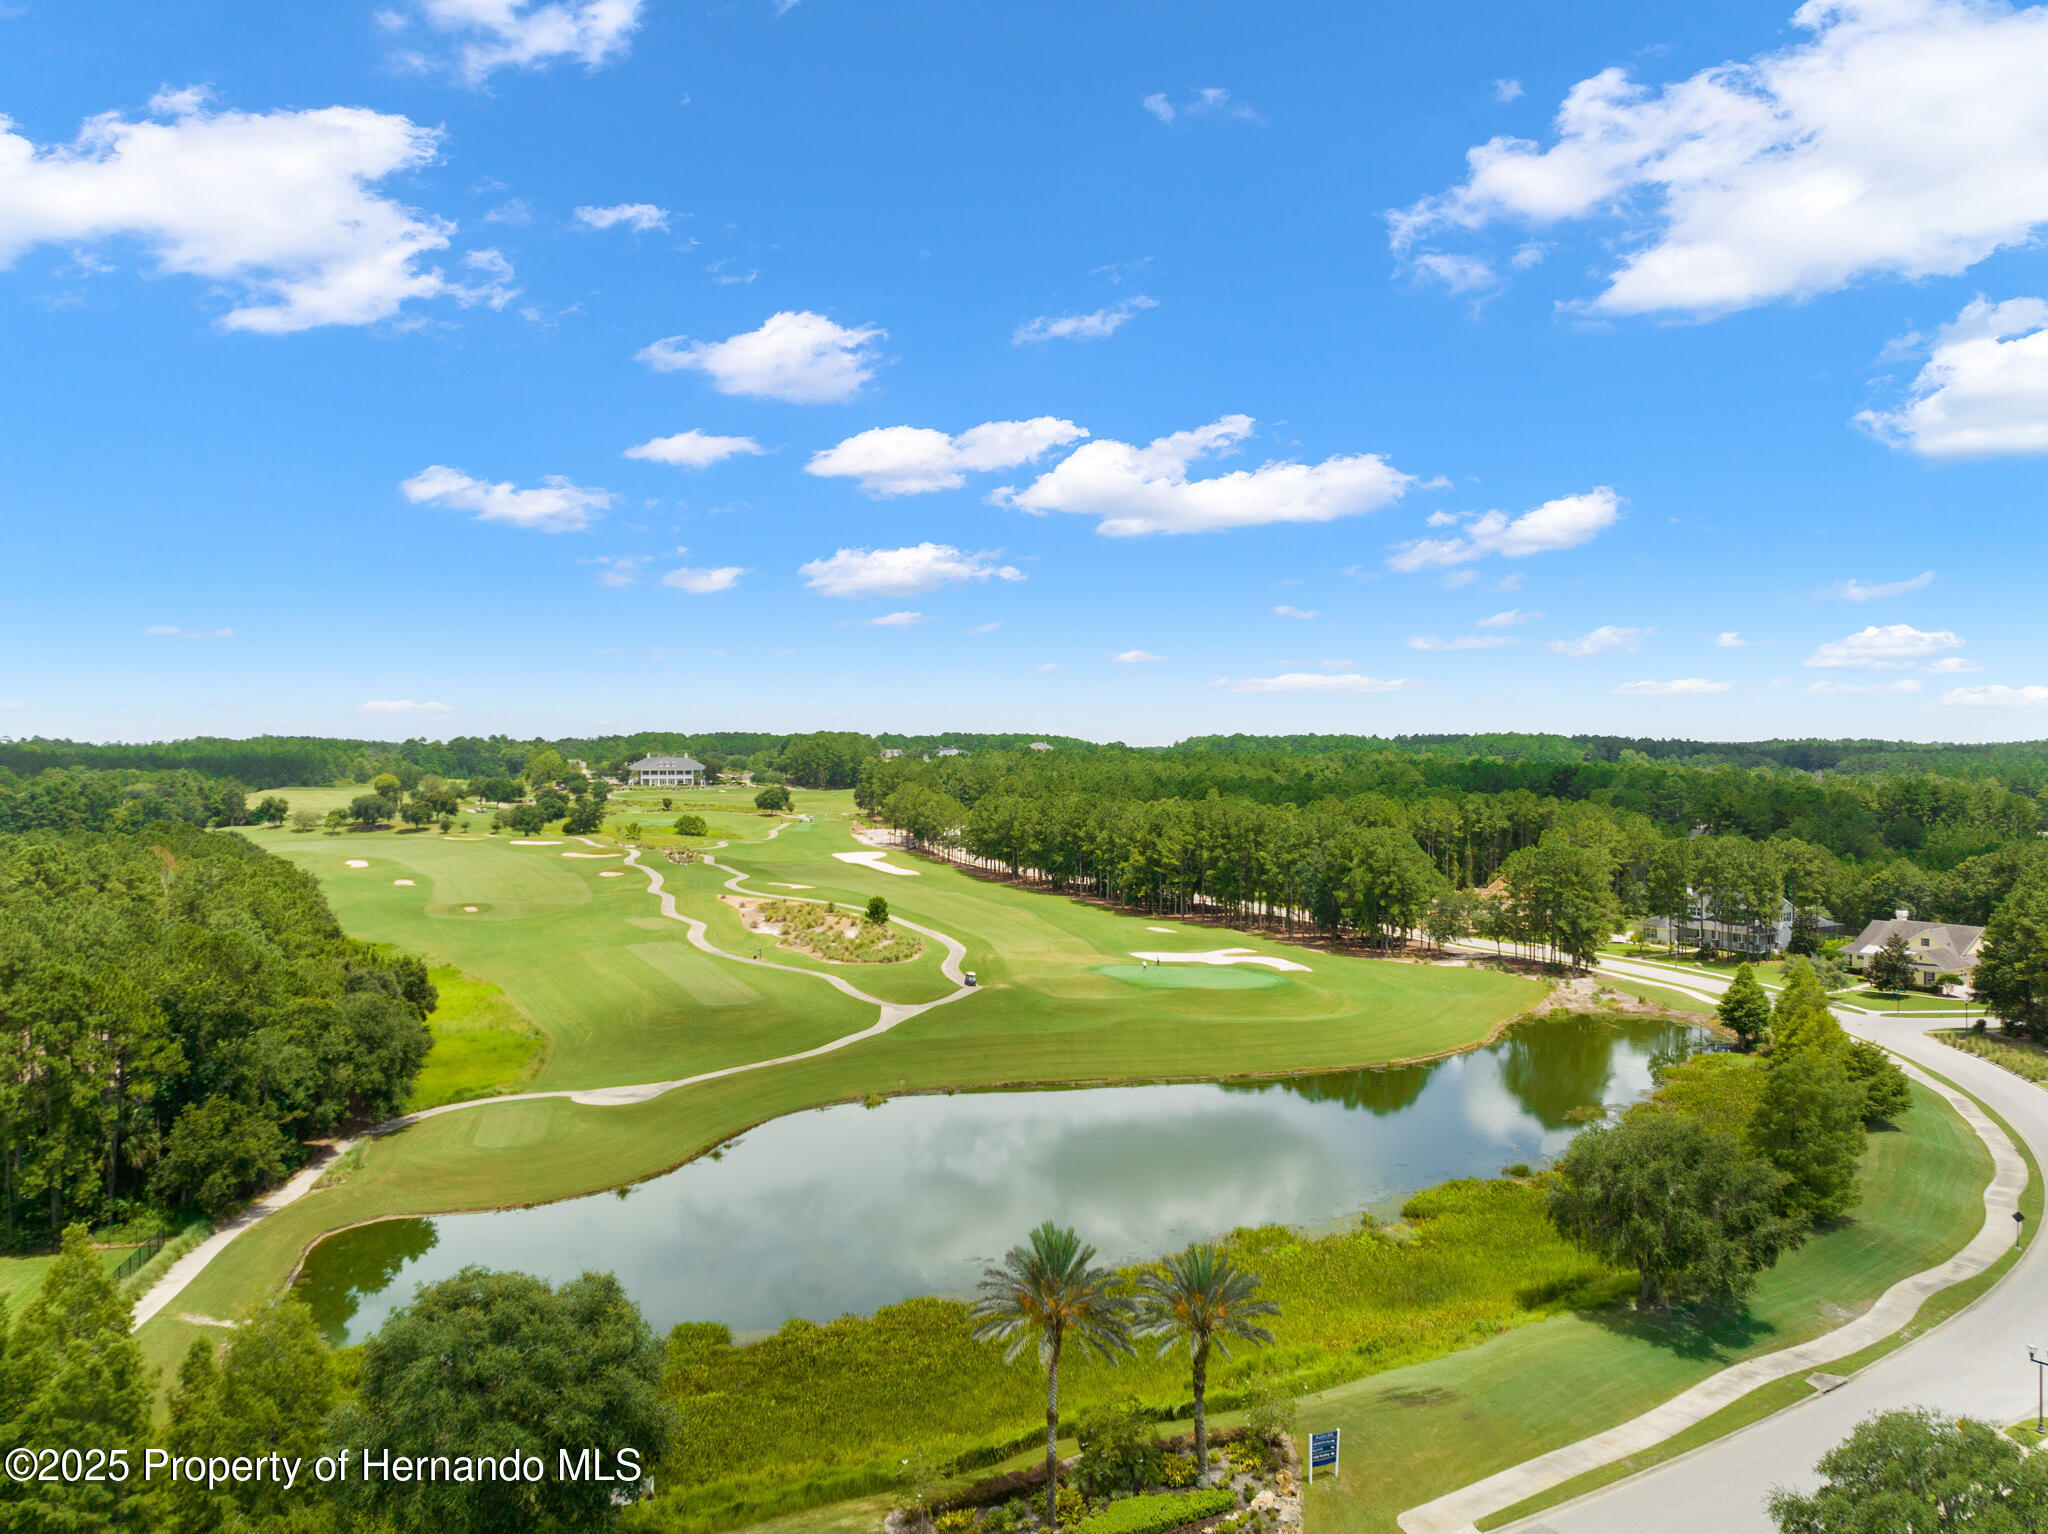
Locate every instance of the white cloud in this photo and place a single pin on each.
(1507, 90)
(1857, 591)
(1092, 326)
(276, 207)
(637, 216)
(1508, 619)
(557, 507)
(1954, 665)
(1316, 681)
(693, 449)
(1997, 696)
(1460, 274)
(523, 34)
(1731, 639)
(1683, 687)
(1303, 613)
(891, 621)
(984, 628)
(701, 583)
(1045, 665)
(1461, 642)
(1906, 137)
(1983, 390)
(1206, 101)
(1863, 689)
(172, 631)
(1893, 647)
(620, 569)
(1136, 657)
(911, 460)
(1601, 641)
(1137, 490)
(400, 706)
(1564, 523)
(796, 356)
(901, 572)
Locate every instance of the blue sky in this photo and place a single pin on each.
(1132, 372)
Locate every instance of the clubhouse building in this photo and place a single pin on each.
(665, 772)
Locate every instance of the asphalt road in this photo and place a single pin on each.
(1975, 1364)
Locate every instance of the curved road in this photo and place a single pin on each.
(1975, 1363)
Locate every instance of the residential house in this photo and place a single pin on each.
(1698, 928)
(1936, 948)
(665, 772)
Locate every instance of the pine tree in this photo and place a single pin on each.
(2011, 977)
(1745, 1010)
(1809, 1125)
(75, 1379)
(1802, 1019)
(1890, 967)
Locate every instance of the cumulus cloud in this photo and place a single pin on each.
(1902, 137)
(693, 449)
(1731, 639)
(637, 216)
(1507, 90)
(1136, 657)
(1092, 326)
(1601, 641)
(902, 572)
(1460, 274)
(1683, 687)
(1137, 490)
(276, 208)
(1893, 647)
(490, 35)
(172, 631)
(1983, 390)
(1461, 642)
(701, 582)
(1859, 591)
(1206, 101)
(1997, 696)
(890, 621)
(399, 706)
(1508, 619)
(1953, 665)
(911, 460)
(1904, 684)
(796, 356)
(984, 628)
(1303, 613)
(1319, 681)
(556, 507)
(1564, 523)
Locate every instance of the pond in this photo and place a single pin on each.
(847, 1209)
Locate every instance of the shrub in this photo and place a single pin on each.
(772, 798)
(959, 1521)
(1177, 1470)
(691, 825)
(878, 910)
(1158, 1513)
(1069, 1506)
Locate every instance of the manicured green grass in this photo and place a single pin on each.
(482, 1045)
(1444, 1424)
(1642, 990)
(21, 1277)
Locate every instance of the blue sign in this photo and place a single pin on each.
(1322, 1452)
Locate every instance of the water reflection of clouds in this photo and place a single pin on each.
(849, 1209)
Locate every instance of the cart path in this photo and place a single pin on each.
(181, 1273)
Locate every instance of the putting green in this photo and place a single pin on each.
(1191, 977)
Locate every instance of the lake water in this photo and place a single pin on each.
(848, 1208)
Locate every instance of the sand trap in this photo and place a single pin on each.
(875, 861)
(1222, 956)
(1159, 929)
(406, 882)
(783, 885)
(518, 843)
(469, 908)
(593, 854)
(359, 862)
(611, 873)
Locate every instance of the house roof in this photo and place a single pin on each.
(667, 764)
(1948, 948)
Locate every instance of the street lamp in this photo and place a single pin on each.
(2040, 1415)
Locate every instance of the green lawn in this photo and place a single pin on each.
(21, 1277)
(483, 1044)
(1437, 1426)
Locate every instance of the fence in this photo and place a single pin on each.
(136, 1260)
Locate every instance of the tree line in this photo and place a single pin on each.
(179, 1014)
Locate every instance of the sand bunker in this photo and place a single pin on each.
(359, 862)
(593, 854)
(1159, 929)
(1222, 956)
(783, 884)
(875, 861)
(518, 843)
(469, 908)
(611, 873)
(406, 882)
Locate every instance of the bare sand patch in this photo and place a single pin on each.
(359, 862)
(1221, 956)
(611, 873)
(876, 861)
(517, 842)
(406, 882)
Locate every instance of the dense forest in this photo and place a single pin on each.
(179, 1014)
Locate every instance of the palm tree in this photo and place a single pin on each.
(1047, 1290)
(1199, 1298)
